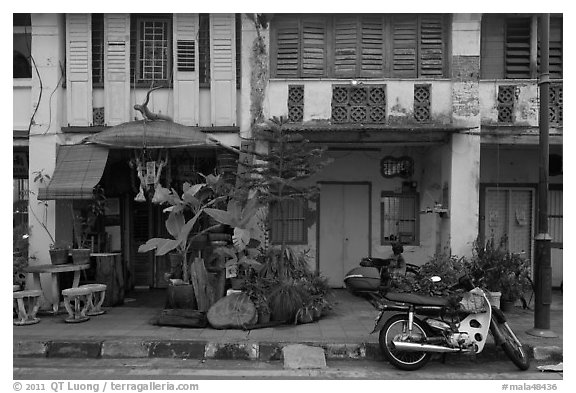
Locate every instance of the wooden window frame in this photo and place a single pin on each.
(330, 48)
(135, 51)
(302, 222)
(416, 219)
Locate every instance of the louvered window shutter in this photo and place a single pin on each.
(313, 47)
(405, 46)
(79, 69)
(223, 69)
(287, 61)
(117, 68)
(345, 46)
(186, 87)
(372, 56)
(518, 48)
(555, 61)
(431, 52)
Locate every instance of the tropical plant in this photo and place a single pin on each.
(278, 174)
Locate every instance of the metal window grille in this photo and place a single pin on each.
(204, 50)
(422, 103)
(555, 215)
(506, 101)
(397, 167)
(20, 202)
(359, 104)
(556, 103)
(295, 103)
(97, 49)
(289, 226)
(153, 49)
(399, 221)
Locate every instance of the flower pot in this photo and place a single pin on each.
(494, 298)
(263, 317)
(59, 256)
(80, 256)
(181, 296)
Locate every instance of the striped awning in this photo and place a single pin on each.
(78, 170)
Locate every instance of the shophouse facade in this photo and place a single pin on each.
(431, 125)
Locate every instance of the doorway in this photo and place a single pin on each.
(344, 230)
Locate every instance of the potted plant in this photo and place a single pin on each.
(194, 281)
(514, 279)
(59, 252)
(80, 255)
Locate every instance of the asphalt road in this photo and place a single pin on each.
(179, 369)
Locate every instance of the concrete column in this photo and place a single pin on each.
(48, 49)
(464, 179)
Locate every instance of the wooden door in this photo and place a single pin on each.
(344, 229)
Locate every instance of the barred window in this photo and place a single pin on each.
(288, 225)
(97, 50)
(151, 48)
(399, 218)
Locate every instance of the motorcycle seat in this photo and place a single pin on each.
(417, 299)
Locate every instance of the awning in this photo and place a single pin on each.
(151, 135)
(78, 169)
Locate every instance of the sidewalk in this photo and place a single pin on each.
(344, 333)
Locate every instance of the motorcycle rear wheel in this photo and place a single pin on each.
(404, 360)
(512, 347)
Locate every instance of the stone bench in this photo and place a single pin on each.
(27, 304)
(76, 302)
(97, 298)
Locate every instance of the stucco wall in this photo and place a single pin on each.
(525, 109)
(364, 166)
(399, 96)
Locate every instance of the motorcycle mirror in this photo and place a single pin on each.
(435, 279)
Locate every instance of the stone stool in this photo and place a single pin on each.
(27, 303)
(95, 302)
(76, 301)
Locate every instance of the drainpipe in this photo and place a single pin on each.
(542, 266)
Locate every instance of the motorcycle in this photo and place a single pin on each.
(373, 275)
(424, 325)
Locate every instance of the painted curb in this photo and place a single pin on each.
(263, 351)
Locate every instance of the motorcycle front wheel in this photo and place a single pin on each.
(404, 360)
(513, 348)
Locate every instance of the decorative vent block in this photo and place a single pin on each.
(555, 103)
(506, 101)
(359, 104)
(98, 116)
(295, 103)
(422, 103)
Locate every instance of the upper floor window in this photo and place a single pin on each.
(508, 47)
(359, 46)
(22, 42)
(151, 48)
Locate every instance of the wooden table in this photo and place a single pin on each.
(109, 271)
(54, 270)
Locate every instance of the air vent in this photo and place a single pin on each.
(186, 55)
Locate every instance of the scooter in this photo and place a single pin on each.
(373, 276)
(424, 325)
